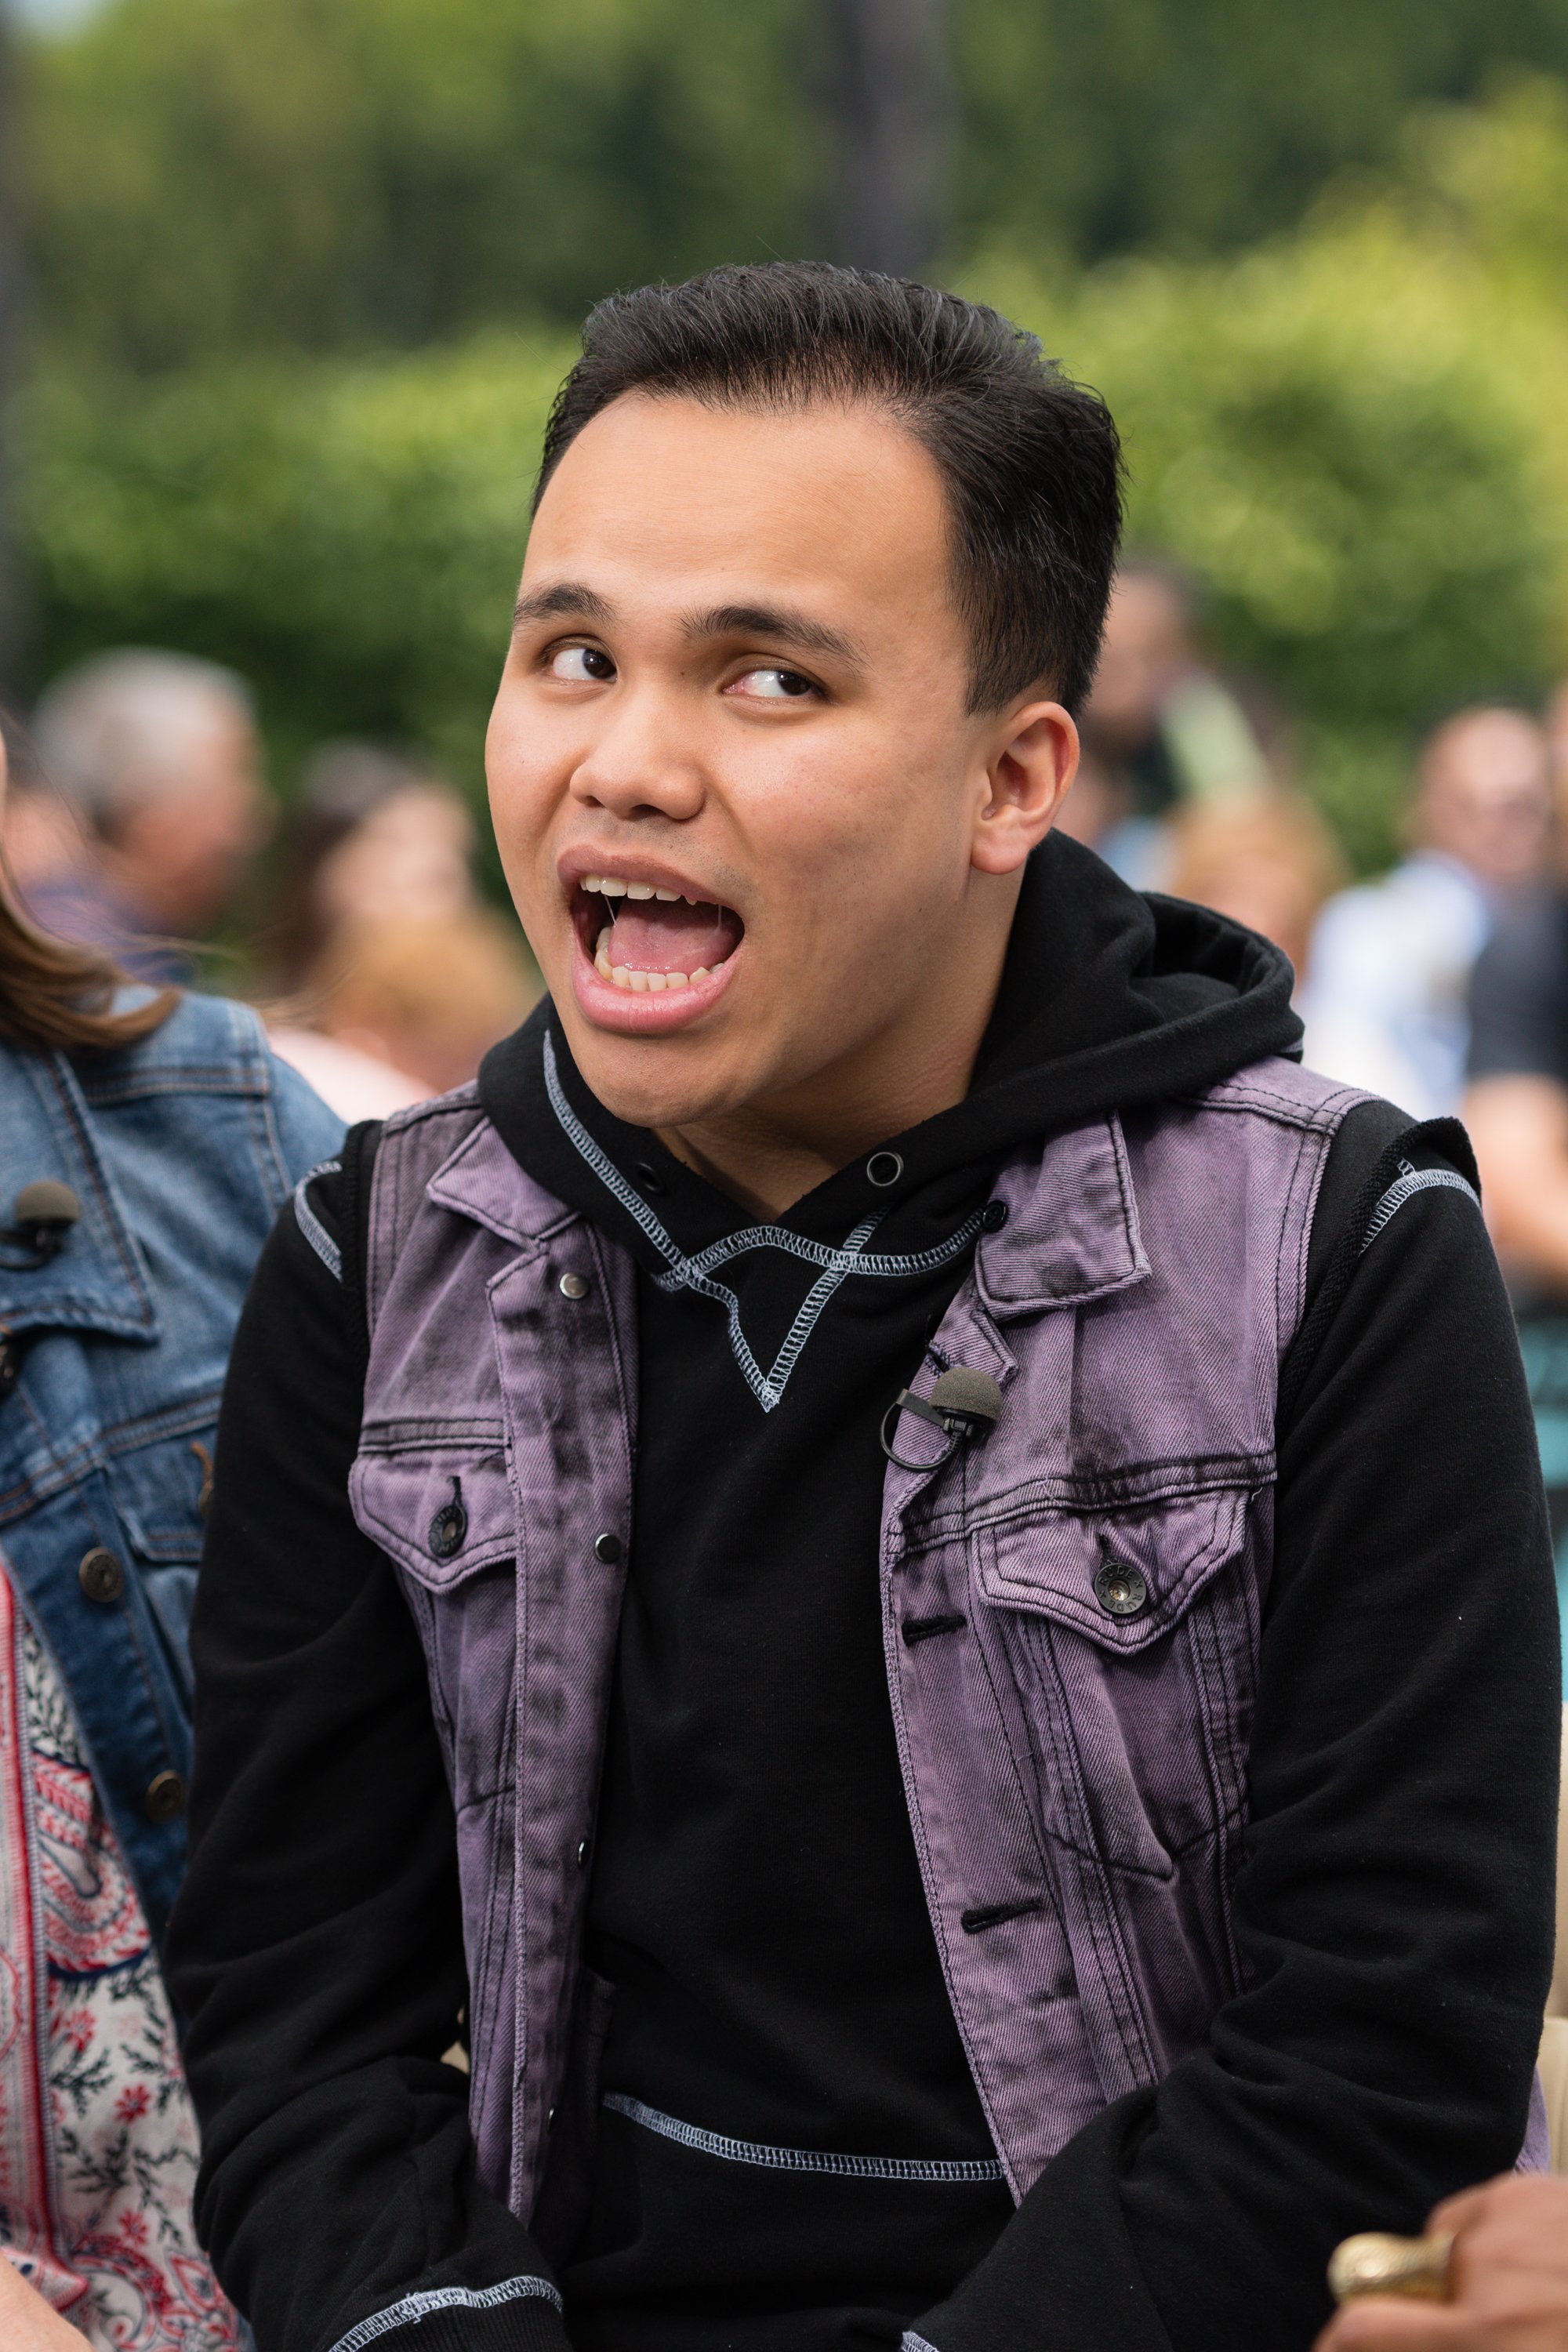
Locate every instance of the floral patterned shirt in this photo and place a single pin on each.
(98, 2139)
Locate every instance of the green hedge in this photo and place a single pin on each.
(1355, 437)
(1355, 443)
(349, 536)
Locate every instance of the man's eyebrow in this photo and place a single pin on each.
(565, 600)
(777, 623)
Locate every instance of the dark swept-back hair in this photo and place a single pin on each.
(1030, 460)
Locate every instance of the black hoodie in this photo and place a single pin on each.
(755, 1900)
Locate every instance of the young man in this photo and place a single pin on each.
(905, 1566)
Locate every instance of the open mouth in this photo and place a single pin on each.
(648, 940)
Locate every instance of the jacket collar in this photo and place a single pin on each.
(1071, 1233)
(481, 1180)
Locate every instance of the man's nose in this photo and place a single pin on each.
(645, 760)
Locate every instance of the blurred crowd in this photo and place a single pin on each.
(139, 820)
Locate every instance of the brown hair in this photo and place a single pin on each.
(53, 992)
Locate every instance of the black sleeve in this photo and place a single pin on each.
(1519, 996)
(1394, 1908)
(317, 1947)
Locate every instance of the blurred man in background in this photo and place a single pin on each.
(1161, 731)
(1516, 1108)
(157, 757)
(1391, 960)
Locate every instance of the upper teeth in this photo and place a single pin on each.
(606, 885)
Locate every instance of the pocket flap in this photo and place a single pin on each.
(158, 1492)
(442, 1508)
(1124, 1576)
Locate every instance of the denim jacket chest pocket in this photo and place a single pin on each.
(1131, 1637)
(439, 1504)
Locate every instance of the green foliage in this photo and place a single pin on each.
(1348, 438)
(348, 536)
(1353, 436)
(1188, 123)
(206, 176)
(210, 176)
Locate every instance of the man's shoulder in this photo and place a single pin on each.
(1529, 943)
(1278, 1089)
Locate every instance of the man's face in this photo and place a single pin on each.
(183, 851)
(737, 794)
(1487, 794)
(1147, 647)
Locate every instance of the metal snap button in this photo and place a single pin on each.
(573, 1286)
(449, 1527)
(608, 1548)
(100, 1576)
(1120, 1590)
(45, 1210)
(165, 1798)
(884, 1168)
(649, 1179)
(992, 1216)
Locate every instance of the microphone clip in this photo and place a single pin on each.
(964, 1404)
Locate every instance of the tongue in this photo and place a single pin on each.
(662, 935)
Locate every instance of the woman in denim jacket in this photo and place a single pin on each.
(146, 1144)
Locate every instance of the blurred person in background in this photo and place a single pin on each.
(1160, 729)
(1268, 861)
(398, 978)
(147, 1141)
(1391, 960)
(406, 1007)
(373, 834)
(41, 839)
(157, 757)
(1516, 1108)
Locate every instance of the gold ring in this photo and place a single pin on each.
(1374, 2264)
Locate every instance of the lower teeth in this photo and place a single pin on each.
(620, 975)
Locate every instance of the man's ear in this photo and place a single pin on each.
(1033, 759)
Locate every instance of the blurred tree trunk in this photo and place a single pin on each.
(12, 602)
(889, 98)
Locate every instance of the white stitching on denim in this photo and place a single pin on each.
(415, 2307)
(311, 1225)
(910, 2342)
(1406, 1187)
(694, 1273)
(798, 2159)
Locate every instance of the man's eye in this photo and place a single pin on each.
(580, 664)
(774, 685)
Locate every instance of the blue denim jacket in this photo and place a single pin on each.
(181, 1151)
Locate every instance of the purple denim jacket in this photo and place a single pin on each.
(1075, 1765)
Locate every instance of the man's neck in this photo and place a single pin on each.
(769, 1154)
